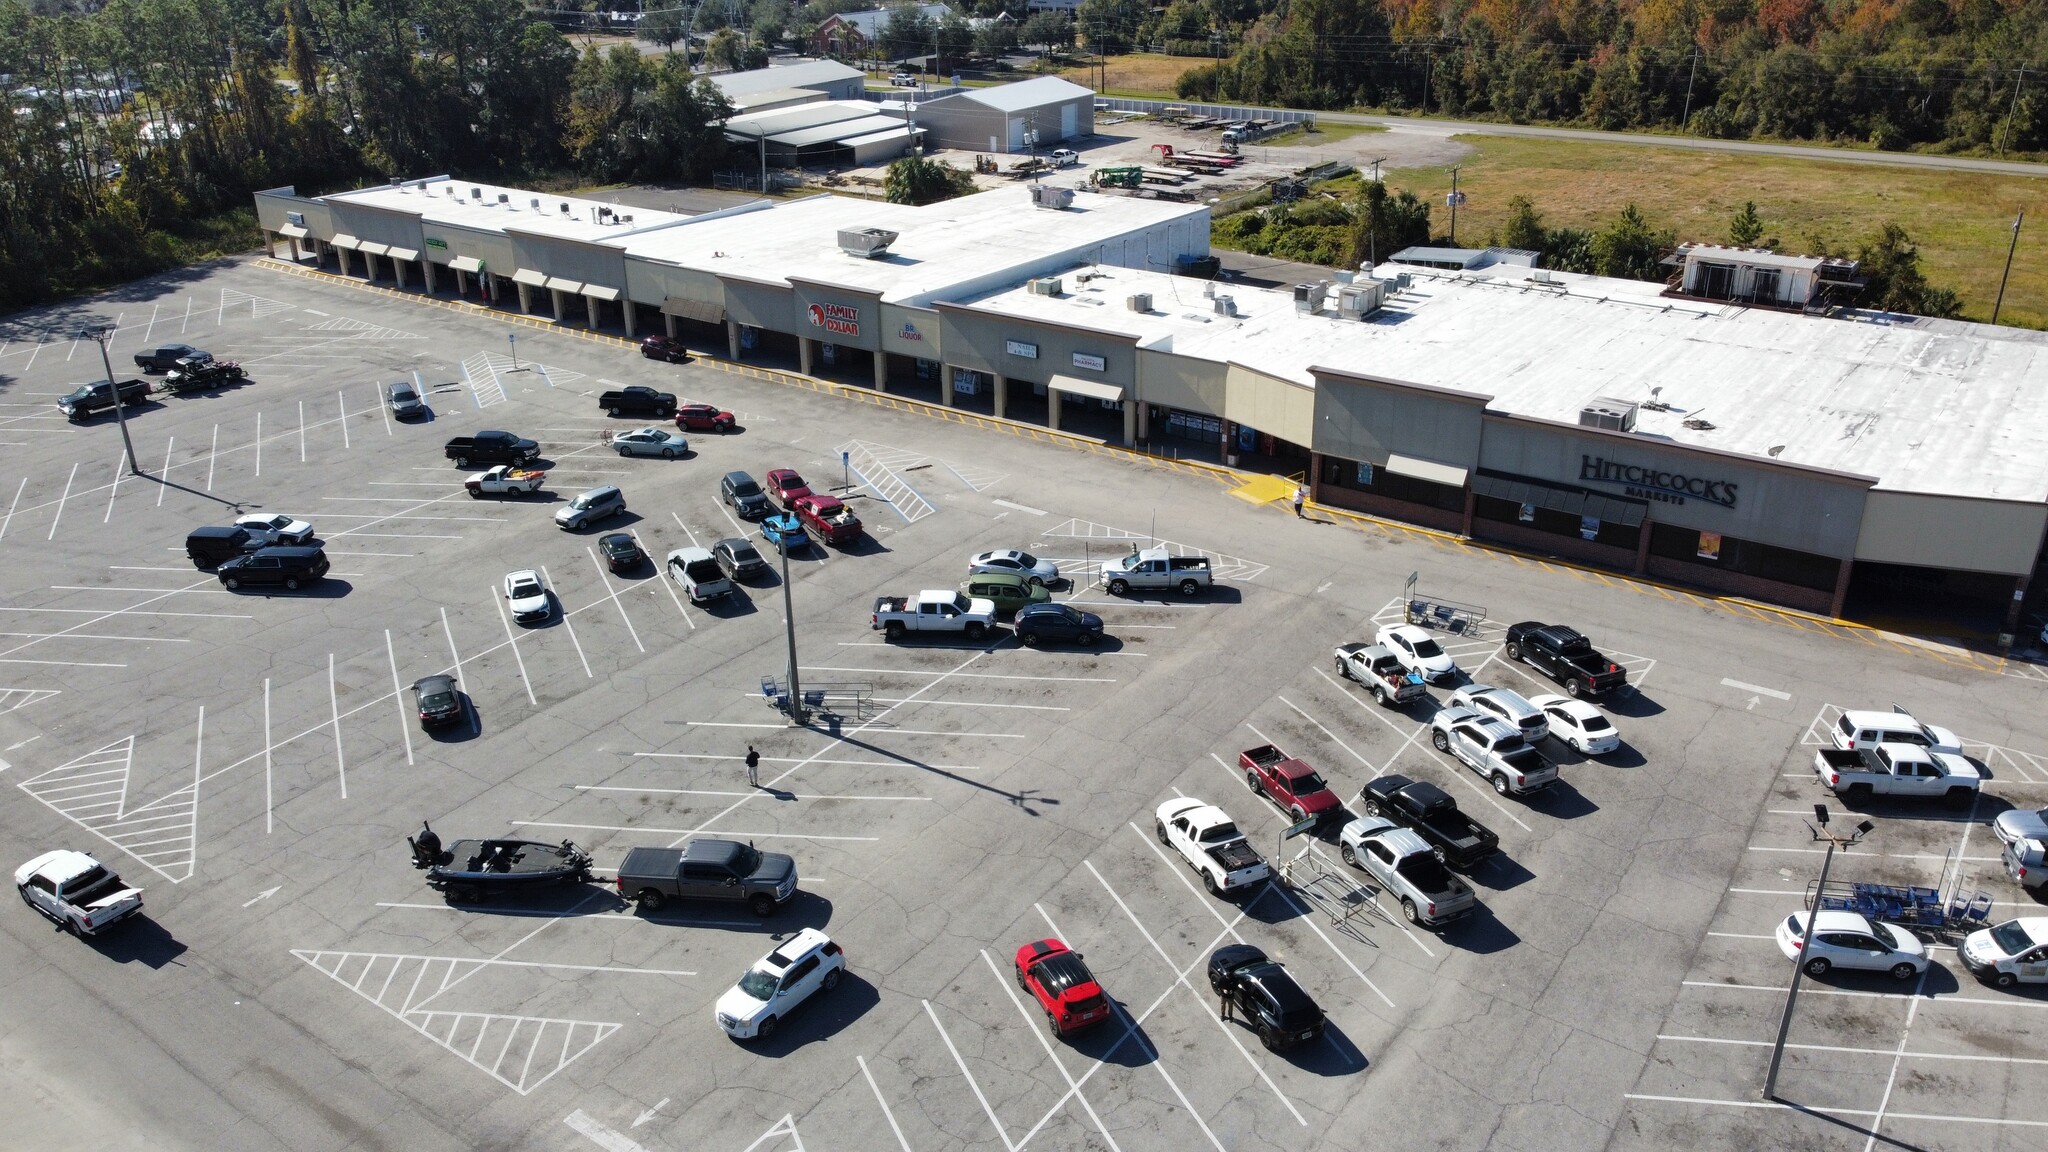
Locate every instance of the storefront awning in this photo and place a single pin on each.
(403, 253)
(1559, 498)
(1429, 470)
(1093, 389)
(563, 284)
(702, 311)
(466, 264)
(291, 230)
(530, 276)
(372, 248)
(345, 241)
(600, 292)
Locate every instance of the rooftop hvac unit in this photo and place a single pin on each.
(1346, 276)
(565, 207)
(1609, 413)
(398, 182)
(504, 198)
(1541, 276)
(1139, 302)
(867, 243)
(623, 219)
(1225, 306)
(1046, 286)
(1047, 196)
(1403, 281)
(476, 193)
(534, 203)
(1309, 297)
(1357, 301)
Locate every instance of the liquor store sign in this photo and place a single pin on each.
(1649, 483)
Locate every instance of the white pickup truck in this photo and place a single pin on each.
(933, 610)
(504, 480)
(1856, 774)
(76, 891)
(1380, 670)
(1492, 749)
(1211, 844)
(1154, 568)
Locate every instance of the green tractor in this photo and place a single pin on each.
(1133, 177)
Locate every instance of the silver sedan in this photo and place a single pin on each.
(651, 442)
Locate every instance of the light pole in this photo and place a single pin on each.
(797, 716)
(1834, 841)
(2010, 249)
(102, 335)
(512, 339)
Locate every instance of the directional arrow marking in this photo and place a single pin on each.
(644, 1117)
(266, 894)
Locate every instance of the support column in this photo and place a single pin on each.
(1145, 423)
(1842, 589)
(1002, 396)
(269, 243)
(2012, 611)
(668, 324)
(341, 255)
(398, 271)
(461, 283)
(1052, 409)
(369, 268)
(591, 304)
(732, 338)
(555, 302)
(806, 351)
(1315, 477)
(1130, 422)
(525, 298)
(626, 315)
(427, 270)
(1471, 502)
(1643, 549)
(881, 370)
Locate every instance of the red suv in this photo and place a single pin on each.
(704, 418)
(785, 486)
(1063, 986)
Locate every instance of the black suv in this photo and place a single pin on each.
(290, 566)
(1265, 996)
(745, 496)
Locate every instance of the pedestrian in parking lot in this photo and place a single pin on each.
(753, 767)
(1223, 1013)
(1300, 496)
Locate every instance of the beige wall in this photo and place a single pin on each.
(1182, 382)
(569, 259)
(490, 247)
(652, 284)
(1270, 404)
(911, 332)
(1365, 420)
(398, 229)
(1950, 532)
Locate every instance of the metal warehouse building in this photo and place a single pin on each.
(998, 119)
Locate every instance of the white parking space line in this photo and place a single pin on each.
(971, 1083)
(267, 823)
(60, 503)
(259, 444)
(1074, 1090)
(1815, 1108)
(1857, 1051)
(971, 704)
(127, 612)
(513, 642)
(1457, 770)
(114, 486)
(1760, 690)
(163, 477)
(804, 760)
(60, 663)
(1325, 731)
(125, 588)
(612, 593)
(570, 626)
(886, 1114)
(686, 530)
(98, 636)
(211, 453)
(11, 506)
(962, 675)
(662, 576)
(398, 697)
(892, 730)
(334, 703)
(686, 832)
(714, 792)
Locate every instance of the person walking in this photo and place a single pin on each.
(753, 767)
(1223, 1013)
(1300, 497)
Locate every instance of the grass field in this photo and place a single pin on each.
(1962, 222)
(1142, 75)
(1325, 134)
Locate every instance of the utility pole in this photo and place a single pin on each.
(1372, 220)
(2005, 135)
(1834, 841)
(2010, 249)
(102, 334)
(797, 716)
(1454, 197)
(1690, 76)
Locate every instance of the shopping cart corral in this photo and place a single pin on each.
(834, 700)
(1441, 614)
(1925, 910)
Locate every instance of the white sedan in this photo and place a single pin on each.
(1848, 940)
(528, 596)
(806, 963)
(1580, 725)
(1011, 562)
(1506, 705)
(1419, 653)
(651, 442)
(283, 529)
(2009, 953)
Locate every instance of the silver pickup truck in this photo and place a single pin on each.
(1154, 568)
(1492, 749)
(1379, 670)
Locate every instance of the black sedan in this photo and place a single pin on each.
(1264, 996)
(739, 558)
(440, 704)
(665, 348)
(1037, 623)
(621, 551)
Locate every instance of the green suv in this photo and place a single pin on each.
(1009, 592)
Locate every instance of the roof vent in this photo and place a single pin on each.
(565, 207)
(866, 243)
(1225, 306)
(504, 198)
(534, 203)
(1139, 302)
(1541, 276)
(476, 193)
(1609, 413)
(1046, 286)
(398, 182)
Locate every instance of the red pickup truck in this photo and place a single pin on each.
(828, 518)
(1291, 784)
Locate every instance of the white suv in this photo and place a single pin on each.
(1507, 706)
(805, 964)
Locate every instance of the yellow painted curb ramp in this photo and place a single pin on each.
(1265, 489)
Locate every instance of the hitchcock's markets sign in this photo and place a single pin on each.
(1656, 484)
(836, 318)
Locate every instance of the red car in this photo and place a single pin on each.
(828, 517)
(703, 418)
(1292, 784)
(665, 348)
(1063, 986)
(785, 486)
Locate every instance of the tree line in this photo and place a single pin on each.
(141, 128)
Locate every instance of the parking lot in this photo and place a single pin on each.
(253, 760)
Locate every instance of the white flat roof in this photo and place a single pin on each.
(810, 73)
(1933, 406)
(939, 246)
(1021, 95)
(430, 200)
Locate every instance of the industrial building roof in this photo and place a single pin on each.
(809, 74)
(1934, 406)
(843, 131)
(954, 246)
(490, 208)
(873, 21)
(1024, 94)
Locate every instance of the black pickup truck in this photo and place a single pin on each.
(1459, 840)
(1569, 658)
(491, 448)
(638, 400)
(98, 396)
(707, 869)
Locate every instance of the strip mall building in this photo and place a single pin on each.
(1736, 430)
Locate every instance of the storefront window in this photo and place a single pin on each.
(1764, 561)
(1589, 528)
(1188, 425)
(1363, 477)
